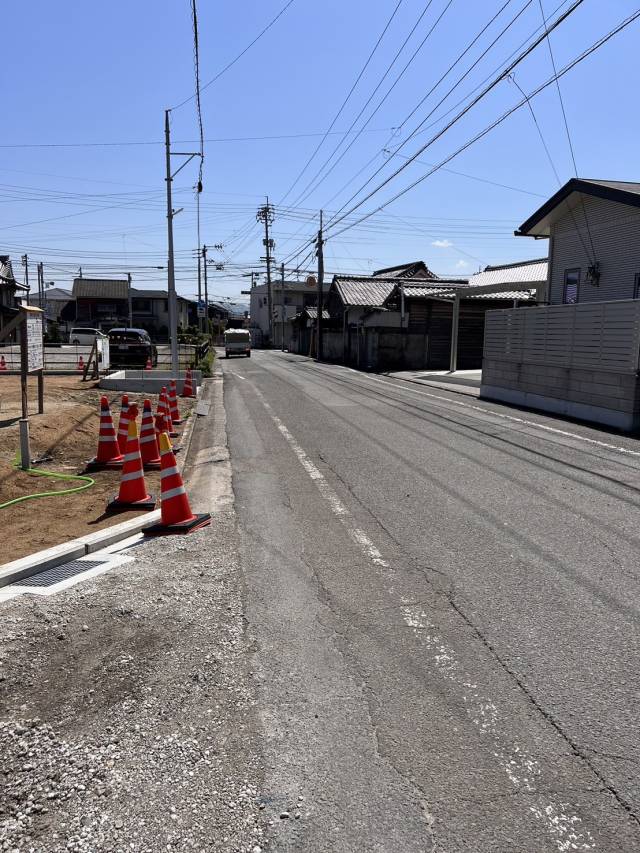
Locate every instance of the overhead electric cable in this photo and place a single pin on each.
(239, 56)
(566, 127)
(465, 110)
(586, 53)
(344, 103)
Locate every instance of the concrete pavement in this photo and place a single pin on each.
(444, 599)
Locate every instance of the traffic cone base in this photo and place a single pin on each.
(176, 514)
(95, 465)
(198, 521)
(116, 504)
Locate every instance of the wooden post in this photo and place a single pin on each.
(23, 367)
(40, 392)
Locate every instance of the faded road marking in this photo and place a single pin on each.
(523, 771)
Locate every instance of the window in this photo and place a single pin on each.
(571, 286)
(636, 286)
(142, 306)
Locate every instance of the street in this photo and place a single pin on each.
(444, 603)
(412, 626)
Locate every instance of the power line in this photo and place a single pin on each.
(239, 56)
(380, 103)
(344, 103)
(444, 97)
(566, 127)
(595, 46)
(370, 98)
(505, 73)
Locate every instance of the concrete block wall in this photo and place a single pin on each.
(601, 396)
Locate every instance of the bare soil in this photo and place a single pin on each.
(65, 437)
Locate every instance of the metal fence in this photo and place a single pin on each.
(66, 359)
(590, 336)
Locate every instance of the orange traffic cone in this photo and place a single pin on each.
(148, 442)
(80, 366)
(173, 402)
(163, 403)
(133, 491)
(148, 365)
(161, 426)
(176, 515)
(108, 455)
(3, 364)
(123, 423)
(187, 389)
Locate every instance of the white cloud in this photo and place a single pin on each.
(461, 264)
(442, 244)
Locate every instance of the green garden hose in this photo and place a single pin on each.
(87, 483)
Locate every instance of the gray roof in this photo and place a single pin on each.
(54, 294)
(414, 269)
(312, 312)
(524, 272)
(100, 288)
(142, 293)
(372, 292)
(539, 223)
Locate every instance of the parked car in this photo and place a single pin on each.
(131, 348)
(237, 342)
(83, 335)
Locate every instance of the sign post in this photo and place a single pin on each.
(31, 361)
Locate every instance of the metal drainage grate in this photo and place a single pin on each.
(50, 577)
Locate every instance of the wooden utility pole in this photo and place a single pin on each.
(206, 291)
(282, 304)
(320, 253)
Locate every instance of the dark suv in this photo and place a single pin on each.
(131, 348)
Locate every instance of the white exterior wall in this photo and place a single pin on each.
(615, 231)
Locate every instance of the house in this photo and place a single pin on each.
(578, 354)
(57, 303)
(398, 323)
(593, 228)
(101, 303)
(287, 300)
(11, 293)
(303, 330)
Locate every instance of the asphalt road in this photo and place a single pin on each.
(442, 596)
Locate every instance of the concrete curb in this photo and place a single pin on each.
(76, 548)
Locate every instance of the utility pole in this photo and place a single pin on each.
(129, 299)
(25, 263)
(320, 253)
(171, 276)
(171, 213)
(265, 214)
(282, 302)
(41, 293)
(206, 291)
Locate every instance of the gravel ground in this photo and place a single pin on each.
(128, 718)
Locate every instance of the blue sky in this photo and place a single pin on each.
(78, 73)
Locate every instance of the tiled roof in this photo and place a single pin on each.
(142, 293)
(370, 292)
(415, 269)
(531, 272)
(312, 312)
(6, 273)
(100, 288)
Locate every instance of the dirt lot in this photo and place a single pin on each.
(68, 433)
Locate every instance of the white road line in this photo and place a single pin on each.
(523, 771)
(337, 507)
(517, 420)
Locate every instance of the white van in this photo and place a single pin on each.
(237, 342)
(83, 336)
